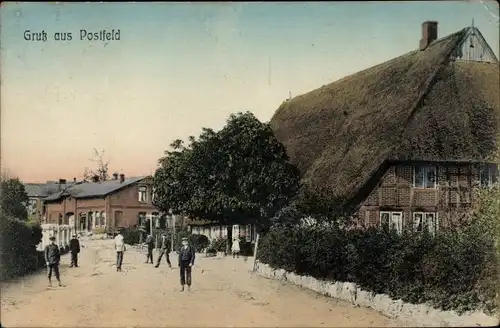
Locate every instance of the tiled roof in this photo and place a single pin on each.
(42, 189)
(93, 189)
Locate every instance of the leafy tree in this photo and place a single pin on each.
(13, 198)
(238, 175)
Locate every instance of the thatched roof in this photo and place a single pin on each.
(422, 105)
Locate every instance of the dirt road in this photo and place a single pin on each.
(224, 293)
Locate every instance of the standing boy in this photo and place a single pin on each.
(52, 259)
(120, 249)
(164, 250)
(74, 248)
(186, 262)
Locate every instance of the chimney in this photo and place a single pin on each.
(115, 176)
(74, 180)
(429, 34)
(62, 184)
(122, 178)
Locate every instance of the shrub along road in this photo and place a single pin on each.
(224, 293)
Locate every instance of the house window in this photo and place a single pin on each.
(248, 233)
(156, 219)
(152, 194)
(31, 206)
(487, 175)
(142, 218)
(424, 176)
(143, 194)
(392, 221)
(425, 221)
(103, 219)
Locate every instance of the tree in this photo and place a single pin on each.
(13, 197)
(101, 172)
(238, 175)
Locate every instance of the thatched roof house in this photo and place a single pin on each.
(437, 103)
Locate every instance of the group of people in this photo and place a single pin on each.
(187, 256)
(53, 257)
(186, 259)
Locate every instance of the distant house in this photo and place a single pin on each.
(402, 144)
(214, 230)
(104, 206)
(39, 191)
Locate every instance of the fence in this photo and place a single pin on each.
(62, 232)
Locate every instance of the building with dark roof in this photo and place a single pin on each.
(102, 207)
(404, 142)
(37, 192)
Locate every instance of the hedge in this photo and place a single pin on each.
(452, 270)
(131, 236)
(18, 254)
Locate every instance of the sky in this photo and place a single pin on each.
(179, 67)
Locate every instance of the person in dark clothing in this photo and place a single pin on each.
(52, 259)
(164, 250)
(150, 245)
(186, 261)
(74, 248)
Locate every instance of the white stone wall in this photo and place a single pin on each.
(417, 315)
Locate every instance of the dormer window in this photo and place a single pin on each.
(424, 176)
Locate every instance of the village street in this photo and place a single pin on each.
(224, 293)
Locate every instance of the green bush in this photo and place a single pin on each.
(18, 254)
(199, 242)
(219, 244)
(131, 236)
(246, 248)
(453, 270)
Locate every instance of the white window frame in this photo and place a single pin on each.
(140, 216)
(391, 214)
(490, 175)
(432, 227)
(156, 217)
(426, 169)
(143, 190)
(31, 206)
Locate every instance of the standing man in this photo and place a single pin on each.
(164, 250)
(52, 259)
(120, 249)
(186, 262)
(150, 245)
(74, 248)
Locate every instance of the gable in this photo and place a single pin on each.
(474, 47)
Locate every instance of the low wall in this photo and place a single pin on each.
(62, 232)
(421, 315)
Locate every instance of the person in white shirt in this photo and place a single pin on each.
(120, 248)
(236, 247)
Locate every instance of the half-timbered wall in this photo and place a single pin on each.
(452, 197)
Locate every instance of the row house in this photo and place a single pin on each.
(403, 144)
(214, 231)
(103, 206)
